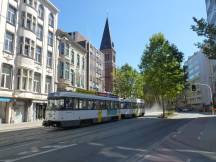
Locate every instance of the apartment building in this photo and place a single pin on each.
(27, 54)
(71, 62)
(202, 70)
(95, 74)
(211, 11)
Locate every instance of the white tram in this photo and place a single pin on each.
(66, 109)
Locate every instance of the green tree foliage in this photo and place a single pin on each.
(79, 90)
(208, 31)
(163, 75)
(127, 82)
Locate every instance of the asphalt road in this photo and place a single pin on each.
(123, 141)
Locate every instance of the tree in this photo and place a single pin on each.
(162, 72)
(127, 82)
(208, 31)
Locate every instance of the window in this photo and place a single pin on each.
(38, 55)
(32, 3)
(51, 20)
(61, 69)
(41, 12)
(49, 59)
(48, 84)
(27, 47)
(28, 21)
(61, 48)
(72, 77)
(40, 32)
(67, 71)
(78, 60)
(6, 77)
(72, 57)
(30, 80)
(67, 52)
(11, 15)
(83, 63)
(78, 79)
(9, 42)
(37, 83)
(50, 38)
(82, 81)
(24, 79)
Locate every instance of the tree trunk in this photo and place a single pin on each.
(163, 106)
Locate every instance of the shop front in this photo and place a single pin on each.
(5, 106)
(39, 110)
(20, 110)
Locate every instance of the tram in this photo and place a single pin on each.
(67, 109)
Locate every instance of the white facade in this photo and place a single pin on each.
(200, 70)
(211, 11)
(27, 54)
(71, 63)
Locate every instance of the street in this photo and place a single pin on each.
(134, 140)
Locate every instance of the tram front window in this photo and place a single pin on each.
(55, 104)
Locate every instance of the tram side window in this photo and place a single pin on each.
(91, 104)
(67, 103)
(134, 105)
(122, 105)
(76, 103)
(117, 105)
(80, 103)
(108, 105)
(97, 105)
(85, 104)
(103, 105)
(125, 105)
(56, 104)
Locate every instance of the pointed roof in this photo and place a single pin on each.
(106, 42)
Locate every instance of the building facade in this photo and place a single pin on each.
(211, 11)
(71, 63)
(95, 64)
(107, 47)
(200, 69)
(27, 54)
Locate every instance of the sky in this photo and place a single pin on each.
(132, 23)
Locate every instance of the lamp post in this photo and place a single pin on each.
(210, 91)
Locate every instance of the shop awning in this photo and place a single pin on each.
(4, 99)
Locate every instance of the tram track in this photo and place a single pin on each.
(58, 135)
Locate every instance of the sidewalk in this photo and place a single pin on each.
(20, 126)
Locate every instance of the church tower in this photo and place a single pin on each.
(107, 47)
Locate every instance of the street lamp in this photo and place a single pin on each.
(210, 91)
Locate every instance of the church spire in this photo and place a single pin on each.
(106, 42)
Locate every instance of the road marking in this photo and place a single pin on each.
(131, 149)
(30, 143)
(179, 132)
(62, 142)
(147, 156)
(39, 153)
(188, 160)
(199, 138)
(96, 144)
(23, 153)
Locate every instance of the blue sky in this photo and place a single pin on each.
(133, 22)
